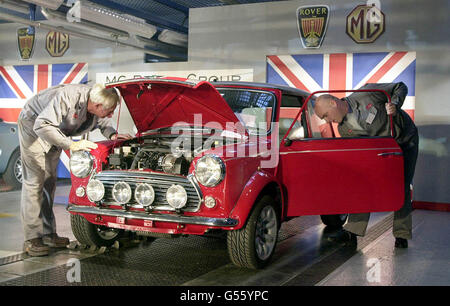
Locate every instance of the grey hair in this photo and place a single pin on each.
(107, 97)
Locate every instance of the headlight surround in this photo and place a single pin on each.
(95, 190)
(81, 163)
(209, 170)
(121, 192)
(144, 194)
(176, 196)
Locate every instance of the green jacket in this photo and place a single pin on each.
(367, 114)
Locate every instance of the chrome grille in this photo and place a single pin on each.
(160, 183)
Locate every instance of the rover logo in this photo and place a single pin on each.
(25, 41)
(365, 24)
(56, 43)
(312, 24)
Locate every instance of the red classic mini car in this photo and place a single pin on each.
(232, 156)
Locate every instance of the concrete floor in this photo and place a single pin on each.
(425, 263)
(10, 217)
(303, 258)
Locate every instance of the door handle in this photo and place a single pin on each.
(390, 153)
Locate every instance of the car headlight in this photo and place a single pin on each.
(144, 194)
(176, 196)
(209, 170)
(81, 163)
(95, 190)
(121, 192)
(168, 163)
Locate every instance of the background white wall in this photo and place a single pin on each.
(240, 37)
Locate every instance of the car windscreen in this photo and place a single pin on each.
(254, 108)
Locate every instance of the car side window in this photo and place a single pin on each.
(252, 107)
(290, 106)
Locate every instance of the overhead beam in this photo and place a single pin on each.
(41, 25)
(149, 17)
(174, 6)
(230, 2)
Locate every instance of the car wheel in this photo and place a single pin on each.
(13, 174)
(334, 221)
(92, 234)
(253, 245)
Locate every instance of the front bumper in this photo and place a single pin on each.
(206, 221)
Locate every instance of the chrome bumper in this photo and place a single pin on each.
(219, 222)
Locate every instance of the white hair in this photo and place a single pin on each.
(107, 97)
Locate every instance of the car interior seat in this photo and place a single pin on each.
(284, 124)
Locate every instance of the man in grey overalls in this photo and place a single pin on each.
(366, 114)
(45, 124)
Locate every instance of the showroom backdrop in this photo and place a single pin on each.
(241, 37)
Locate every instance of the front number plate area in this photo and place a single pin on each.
(120, 223)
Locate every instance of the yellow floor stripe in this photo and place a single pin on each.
(3, 215)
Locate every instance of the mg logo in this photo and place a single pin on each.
(365, 24)
(56, 43)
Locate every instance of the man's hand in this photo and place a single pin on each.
(84, 145)
(121, 136)
(391, 109)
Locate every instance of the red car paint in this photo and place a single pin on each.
(314, 176)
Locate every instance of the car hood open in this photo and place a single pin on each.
(164, 102)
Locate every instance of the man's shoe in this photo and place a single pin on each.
(54, 241)
(35, 247)
(401, 243)
(343, 236)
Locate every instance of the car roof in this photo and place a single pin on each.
(284, 89)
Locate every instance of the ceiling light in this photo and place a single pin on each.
(114, 19)
(59, 19)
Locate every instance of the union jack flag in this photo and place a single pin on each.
(313, 72)
(19, 83)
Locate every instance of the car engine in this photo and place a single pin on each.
(166, 154)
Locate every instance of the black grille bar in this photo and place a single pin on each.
(160, 183)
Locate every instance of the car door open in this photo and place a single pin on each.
(333, 175)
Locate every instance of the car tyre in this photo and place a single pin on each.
(13, 173)
(334, 221)
(253, 245)
(92, 234)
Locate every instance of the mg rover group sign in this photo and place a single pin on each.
(365, 24)
(312, 24)
(25, 40)
(56, 43)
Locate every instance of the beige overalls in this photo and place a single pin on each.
(45, 124)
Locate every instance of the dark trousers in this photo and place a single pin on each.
(402, 227)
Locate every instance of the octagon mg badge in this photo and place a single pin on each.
(25, 42)
(312, 22)
(56, 43)
(365, 24)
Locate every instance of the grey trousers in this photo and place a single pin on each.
(402, 227)
(39, 183)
